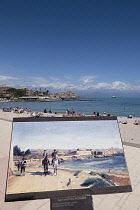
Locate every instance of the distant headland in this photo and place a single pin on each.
(10, 94)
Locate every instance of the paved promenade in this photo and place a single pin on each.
(121, 201)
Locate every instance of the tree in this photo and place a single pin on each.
(2, 96)
(12, 91)
(22, 153)
(46, 92)
(16, 151)
(20, 92)
(27, 152)
(16, 92)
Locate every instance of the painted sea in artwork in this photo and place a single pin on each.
(114, 163)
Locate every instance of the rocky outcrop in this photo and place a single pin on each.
(64, 95)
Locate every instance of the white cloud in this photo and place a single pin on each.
(55, 84)
(120, 85)
(54, 78)
(87, 79)
(5, 78)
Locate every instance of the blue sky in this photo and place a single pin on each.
(88, 46)
(66, 135)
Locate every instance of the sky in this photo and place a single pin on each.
(66, 135)
(86, 46)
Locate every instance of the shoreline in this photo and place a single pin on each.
(24, 114)
(20, 101)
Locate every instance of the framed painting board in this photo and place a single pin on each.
(65, 156)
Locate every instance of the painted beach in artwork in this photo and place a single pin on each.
(64, 155)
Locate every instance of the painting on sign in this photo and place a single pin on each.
(55, 157)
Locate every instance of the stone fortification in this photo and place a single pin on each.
(68, 94)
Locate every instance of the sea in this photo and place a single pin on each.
(114, 106)
(114, 163)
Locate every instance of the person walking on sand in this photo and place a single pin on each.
(23, 166)
(45, 163)
(54, 154)
(55, 161)
(44, 153)
(18, 165)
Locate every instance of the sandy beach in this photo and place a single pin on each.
(35, 180)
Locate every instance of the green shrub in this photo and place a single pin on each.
(76, 173)
(101, 183)
(93, 173)
(89, 182)
(96, 182)
(106, 177)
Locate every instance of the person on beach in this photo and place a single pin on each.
(104, 114)
(45, 163)
(68, 112)
(137, 122)
(73, 111)
(98, 114)
(18, 165)
(55, 161)
(44, 153)
(54, 155)
(94, 114)
(124, 122)
(23, 165)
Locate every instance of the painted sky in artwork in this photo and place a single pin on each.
(66, 135)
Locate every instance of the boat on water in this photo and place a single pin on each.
(113, 97)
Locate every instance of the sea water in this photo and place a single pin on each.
(114, 163)
(113, 106)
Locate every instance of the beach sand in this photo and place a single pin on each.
(35, 180)
(10, 115)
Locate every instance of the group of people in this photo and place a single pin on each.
(46, 111)
(36, 114)
(98, 114)
(17, 110)
(68, 112)
(137, 122)
(54, 162)
(21, 166)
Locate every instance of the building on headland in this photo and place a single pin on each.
(28, 92)
(34, 95)
(83, 152)
(110, 151)
(29, 98)
(98, 152)
(4, 90)
(64, 95)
